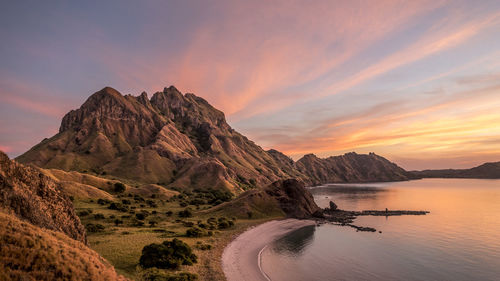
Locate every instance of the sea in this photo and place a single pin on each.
(458, 240)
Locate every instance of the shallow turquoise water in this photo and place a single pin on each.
(458, 240)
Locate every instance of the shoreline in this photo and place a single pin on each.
(241, 259)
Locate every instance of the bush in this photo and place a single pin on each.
(138, 198)
(118, 222)
(136, 222)
(203, 247)
(83, 213)
(224, 223)
(167, 255)
(197, 201)
(186, 213)
(94, 227)
(98, 216)
(140, 216)
(154, 274)
(118, 206)
(194, 232)
(126, 202)
(169, 213)
(119, 187)
(151, 203)
(101, 201)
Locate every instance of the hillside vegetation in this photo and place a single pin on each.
(28, 252)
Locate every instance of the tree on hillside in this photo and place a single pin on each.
(168, 255)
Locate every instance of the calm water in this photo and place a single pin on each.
(458, 240)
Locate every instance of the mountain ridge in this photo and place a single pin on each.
(489, 170)
(181, 141)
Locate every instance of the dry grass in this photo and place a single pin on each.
(122, 245)
(28, 252)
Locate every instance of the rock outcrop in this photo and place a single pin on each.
(283, 198)
(30, 195)
(294, 199)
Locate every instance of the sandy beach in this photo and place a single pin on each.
(240, 259)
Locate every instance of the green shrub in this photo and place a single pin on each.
(167, 255)
(224, 223)
(185, 213)
(94, 227)
(83, 213)
(118, 222)
(140, 216)
(151, 203)
(204, 247)
(98, 216)
(118, 206)
(119, 187)
(101, 201)
(194, 232)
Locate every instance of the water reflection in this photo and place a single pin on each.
(457, 241)
(347, 193)
(294, 243)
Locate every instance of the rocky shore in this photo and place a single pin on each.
(346, 218)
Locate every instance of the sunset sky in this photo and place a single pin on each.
(415, 81)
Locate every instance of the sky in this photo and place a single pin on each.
(417, 82)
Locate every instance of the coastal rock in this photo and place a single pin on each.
(333, 206)
(294, 199)
(287, 198)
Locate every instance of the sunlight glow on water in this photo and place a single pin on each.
(458, 240)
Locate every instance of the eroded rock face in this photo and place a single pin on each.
(294, 199)
(34, 197)
(157, 140)
(163, 140)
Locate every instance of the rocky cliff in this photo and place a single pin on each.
(351, 167)
(283, 198)
(30, 195)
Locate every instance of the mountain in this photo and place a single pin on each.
(175, 140)
(351, 167)
(182, 142)
(484, 171)
(30, 195)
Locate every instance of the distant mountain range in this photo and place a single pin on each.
(484, 171)
(182, 142)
